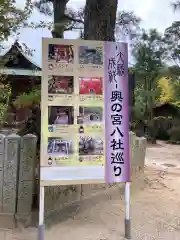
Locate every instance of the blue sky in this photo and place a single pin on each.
(154, 14)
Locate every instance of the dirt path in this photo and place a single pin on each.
(155, 209)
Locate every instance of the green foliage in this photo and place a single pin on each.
(176, 85)
(177, 104)
(28, 99)
(166, 90)
(148, 52)
(5, 92)
(13, 18)
(161, 125)
(172, 41)
(139, 108)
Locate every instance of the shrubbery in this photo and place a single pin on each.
(165, 128)
(161, 128)
(161, 125)
(174, 134)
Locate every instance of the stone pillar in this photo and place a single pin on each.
(132, 138)
(2, 141)
(26, 175)
(142, 151)
(10, 169)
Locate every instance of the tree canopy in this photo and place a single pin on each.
(12, 19)
(66, 18)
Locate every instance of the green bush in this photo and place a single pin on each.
(160, 126)
(138, 127)
(174, 134)
(28, 99)
(5, 93)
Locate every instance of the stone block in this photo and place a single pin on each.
(7, 221)
(10, 169)
(24, 204)
(26, 174)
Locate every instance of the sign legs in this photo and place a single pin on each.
(127, 211)
(41, 215)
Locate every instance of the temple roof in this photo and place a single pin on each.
(15, 58)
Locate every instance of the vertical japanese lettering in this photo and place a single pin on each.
(115, 69)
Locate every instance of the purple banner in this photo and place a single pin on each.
(117, 168)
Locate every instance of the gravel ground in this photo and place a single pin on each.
(155, 207)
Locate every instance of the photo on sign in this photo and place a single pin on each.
(59, 147)
(60, 84)
(90, 55)
(60, 115)
(90, 145)
(91, 85)
(90, 115)
(59, 53)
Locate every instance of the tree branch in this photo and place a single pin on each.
(73, 19)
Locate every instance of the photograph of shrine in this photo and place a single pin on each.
(60, 85)
(89, 55)
(61, 53)
(90, 145)
(90, 115)
(91, 85)
(60, 115)
(59, 147)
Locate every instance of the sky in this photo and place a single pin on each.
(154, 14)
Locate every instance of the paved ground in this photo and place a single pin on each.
(155, 207)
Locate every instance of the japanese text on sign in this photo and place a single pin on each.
(116, 68)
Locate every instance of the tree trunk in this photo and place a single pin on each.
(150, 115)
(100, 20)
(59, 7)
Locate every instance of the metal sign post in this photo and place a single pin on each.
(127, 211)
(41, 227)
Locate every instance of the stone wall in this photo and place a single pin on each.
(57, 197)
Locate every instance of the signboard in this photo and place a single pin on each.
(84, 112)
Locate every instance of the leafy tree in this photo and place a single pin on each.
(13, 18)
(175, 5)
(176, 84)
(166, 90)
(172, 41)
(5, 93)
(66, 19)
(140, 103)
(148, 51)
